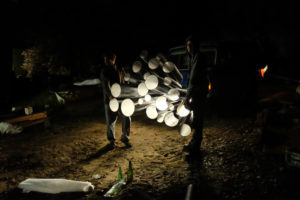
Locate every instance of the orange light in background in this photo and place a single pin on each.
(262, 71)
(209, 86)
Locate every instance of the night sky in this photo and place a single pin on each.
(147, 22)
(131, 26)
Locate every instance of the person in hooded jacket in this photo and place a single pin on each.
(197, 90)
(111, 74)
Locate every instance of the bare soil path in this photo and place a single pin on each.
(233, 163)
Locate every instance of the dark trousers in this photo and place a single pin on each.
(198, 108)
(111, 119)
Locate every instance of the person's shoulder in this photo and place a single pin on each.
(105, 70)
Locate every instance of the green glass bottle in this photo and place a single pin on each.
(129, 172)
(120, 175)
(115, 189)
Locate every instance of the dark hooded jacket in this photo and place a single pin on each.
(197, 82)
(108, 75)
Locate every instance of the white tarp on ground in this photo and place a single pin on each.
(7, 128)
(95, 81)
(54, 186)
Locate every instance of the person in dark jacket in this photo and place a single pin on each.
(197, 90)
(111, 74)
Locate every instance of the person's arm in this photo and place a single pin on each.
(191, 83)
(105, 83)
(121, 73)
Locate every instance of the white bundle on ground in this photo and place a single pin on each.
(54, 186)
(7, 128)
(154, 87)
(94, 81)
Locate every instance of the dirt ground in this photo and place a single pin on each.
(234, 163)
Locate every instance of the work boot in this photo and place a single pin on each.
(125, 140)
(111, 144)
(194, 157)
(193, 148)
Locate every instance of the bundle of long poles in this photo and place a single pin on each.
(153, 86)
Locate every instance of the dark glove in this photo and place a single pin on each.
(187, 102)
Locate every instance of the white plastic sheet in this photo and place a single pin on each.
(7, 128)
(95, 81)
(54, 186)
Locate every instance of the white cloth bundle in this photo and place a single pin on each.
(54, 186)
(7, 128)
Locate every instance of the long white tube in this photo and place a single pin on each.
(168, 81)
(151, 112)
(127, 107)
(146, 75)
(170, 119)
(137, 66)
(151, 82)
(182, 111)
(144, 55)
(170, 67)
(161, 103)
(161, 116)
(142, 89)
(184, 126)
(131, 78)
(123, 91)
(114, 105)
(153, 63)
(185, 130)
(173, 94)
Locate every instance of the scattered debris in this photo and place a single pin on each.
(28, 110)
(115, 189)
(96, 176)
(292, 158)
(59, 98)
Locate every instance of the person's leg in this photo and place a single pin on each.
(198, 109)
(111, 119)
(198, 128)
(126, 123)
(197, 125)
